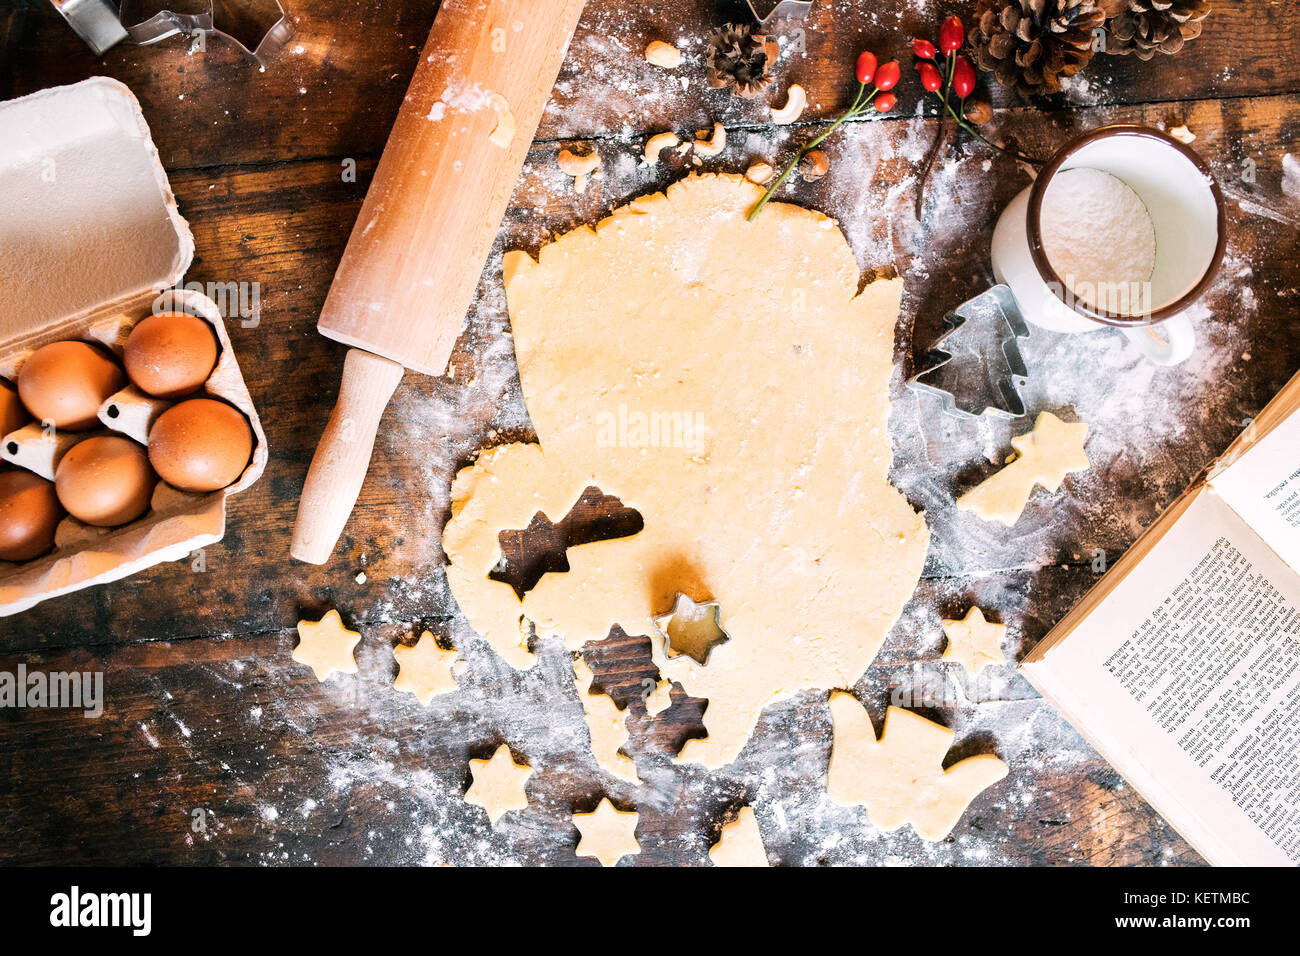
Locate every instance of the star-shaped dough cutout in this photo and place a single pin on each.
(608, 833)
(900, 777)
(1045, 456)
(973, 642)
(424, 669)
(498, 784)
(740, 843)
(326, 646)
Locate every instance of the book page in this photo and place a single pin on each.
(1187, 678)
(1263, 487)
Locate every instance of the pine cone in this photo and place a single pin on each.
(1028, 45)
(1148, 27)
(741, 59)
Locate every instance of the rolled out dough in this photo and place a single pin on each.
(726, 379)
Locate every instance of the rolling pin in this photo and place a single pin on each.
(417, 250)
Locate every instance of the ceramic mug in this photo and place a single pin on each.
(1186, 209)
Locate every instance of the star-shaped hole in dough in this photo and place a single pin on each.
(608, 833)
(974, 642)
(498, 784)
(692, 629)
(740, 843)
(1045, 456)
(326, 646)
(424, 669)
(900, 777)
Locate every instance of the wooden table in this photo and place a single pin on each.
(206, 710)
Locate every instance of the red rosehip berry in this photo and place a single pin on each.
(963, 77)
(924, 49)
(888, 75)
(930, 76)
(884, 102)
(952, 34)
(866, 69)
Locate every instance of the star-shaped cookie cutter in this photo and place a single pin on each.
(706, 614)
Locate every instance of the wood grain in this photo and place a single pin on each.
(206, 709)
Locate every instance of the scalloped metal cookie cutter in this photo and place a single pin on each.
(257, 27)
(794, 9)
(970, 387)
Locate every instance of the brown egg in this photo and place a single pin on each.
(105, 481)
(66, 382)
(29, 513)
(200, 445)
(170, 354)
(12, 413)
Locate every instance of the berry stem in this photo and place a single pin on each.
(861, 103)
(961, 121)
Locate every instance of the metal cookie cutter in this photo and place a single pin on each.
(690, 629)
(976, 365)
(257, 27)
(765, 11)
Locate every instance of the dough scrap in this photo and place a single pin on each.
(727, 380)
(1046, 455)
(663, 54)
(503, 133)
(974, 642)
(608, 833)
(659, 699)
(326, 646)
(424, 669)
(900, 777)
(498, 784)
(740, 843)
(606, 724)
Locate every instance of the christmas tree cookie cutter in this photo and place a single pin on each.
(976, 366)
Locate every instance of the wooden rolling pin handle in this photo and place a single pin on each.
(342, 458)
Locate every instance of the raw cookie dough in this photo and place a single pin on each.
(659, 699)
(900, 777)
(1045, 456)
(326, 646)
(606, 724)
(726, 379)
(424, 669)
(498, 784)
(608, 834)
(973, 642)
(740, 843)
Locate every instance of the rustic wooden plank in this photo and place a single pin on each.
(336, 90)
(283, 769)
(285, 228)
(207, 709)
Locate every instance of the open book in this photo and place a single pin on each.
(1182, 666)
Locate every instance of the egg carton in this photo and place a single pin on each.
(94, 243)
